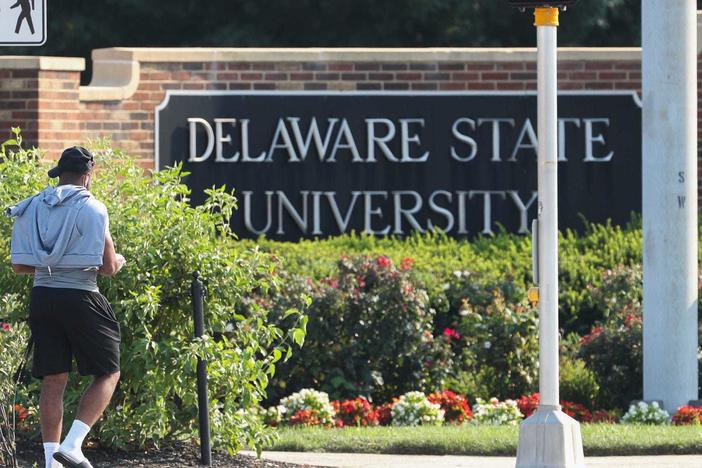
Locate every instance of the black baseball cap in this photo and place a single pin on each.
(74, 159)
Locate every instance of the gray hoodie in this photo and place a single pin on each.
(60, 227)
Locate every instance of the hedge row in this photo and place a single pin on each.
(583, 260)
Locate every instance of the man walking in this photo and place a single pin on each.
(25, 14)
(61, 236)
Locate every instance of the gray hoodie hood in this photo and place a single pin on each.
(61, 226)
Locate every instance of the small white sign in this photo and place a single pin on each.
(22, 22)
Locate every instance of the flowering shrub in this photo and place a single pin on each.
(273, 416)
(13, 339)
(414, 409)
(576, 411)
(616, 294)
(369, 333)
(644, 413)
(306, 418)
(688, 415)
(496, 413)
(613, 349)
(356, 412)
(384, 412)
(527, 404)
(307, 407)
(499, 335)
(605, 417)
(456, 408)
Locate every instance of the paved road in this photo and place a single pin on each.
(355, 460)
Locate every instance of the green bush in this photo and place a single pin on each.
(500, 337)
(613, 349)
(164, 240)
(578, 383)
(13, 340)
(369, 334)
(583, 258)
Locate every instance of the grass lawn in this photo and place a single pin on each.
(598, 439)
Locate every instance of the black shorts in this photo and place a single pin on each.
(69, 323)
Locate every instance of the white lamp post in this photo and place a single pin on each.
(548, 438)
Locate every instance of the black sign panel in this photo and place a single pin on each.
(317, 164)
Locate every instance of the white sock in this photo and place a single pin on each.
(74, 440)
(49, 449)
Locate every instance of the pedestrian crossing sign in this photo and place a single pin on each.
(22, 22)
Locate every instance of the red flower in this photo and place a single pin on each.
(594, 333)
(688, 415)
(576, 411)
(5, 326)
(602, 416)
(383, 261)
(21, 412)
(450, 333)
(456, 408)
(384, 412)
(631, 319)
(528, 403)
(406, 263)
(356, 412)
(331, 282)
(305, 418)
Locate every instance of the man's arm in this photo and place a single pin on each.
(23, 269)
(112, 262)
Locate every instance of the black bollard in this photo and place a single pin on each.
(203, 402)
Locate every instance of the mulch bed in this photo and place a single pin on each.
(177, 455)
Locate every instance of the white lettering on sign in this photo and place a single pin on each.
(496, 134)
(193, 122)
(382, 212)
(313, 134)
(472, 144)
(291, 143)
(590, 140)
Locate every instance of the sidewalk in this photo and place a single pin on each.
(356, 460)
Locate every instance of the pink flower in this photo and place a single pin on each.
(383, 261)
(5, 326)
(450, 333)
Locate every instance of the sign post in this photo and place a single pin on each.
(23, 23)
(548, 438)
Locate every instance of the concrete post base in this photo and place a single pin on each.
(550, 439)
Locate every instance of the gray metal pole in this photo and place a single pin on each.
(203, 401)
(549, 438)
(547, 111)
(669, 65)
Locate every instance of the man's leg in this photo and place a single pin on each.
(51, 414)
(92, 404)
(96, 398)
(51, 406)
